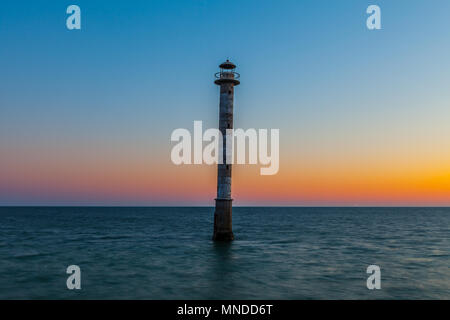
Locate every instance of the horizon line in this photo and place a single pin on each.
(212, 206)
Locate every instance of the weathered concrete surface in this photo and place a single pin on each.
(223, 221)
(223, 213)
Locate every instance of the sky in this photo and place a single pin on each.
(86, 115)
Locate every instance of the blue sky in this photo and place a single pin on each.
(155, 56)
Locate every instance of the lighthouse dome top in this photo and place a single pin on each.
(227, 74)
(227, 65)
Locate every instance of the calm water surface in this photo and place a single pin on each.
(279, 253)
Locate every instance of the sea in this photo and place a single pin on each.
(278, 253)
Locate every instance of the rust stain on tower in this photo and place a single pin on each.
(227, 79)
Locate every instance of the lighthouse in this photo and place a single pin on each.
(227, 79)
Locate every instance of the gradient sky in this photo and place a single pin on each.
(86, 116)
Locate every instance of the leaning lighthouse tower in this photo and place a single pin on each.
(227, 80)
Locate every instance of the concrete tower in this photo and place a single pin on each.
(226, 79)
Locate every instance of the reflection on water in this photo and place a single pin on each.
(221, 267)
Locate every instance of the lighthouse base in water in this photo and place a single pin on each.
(222, 221)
